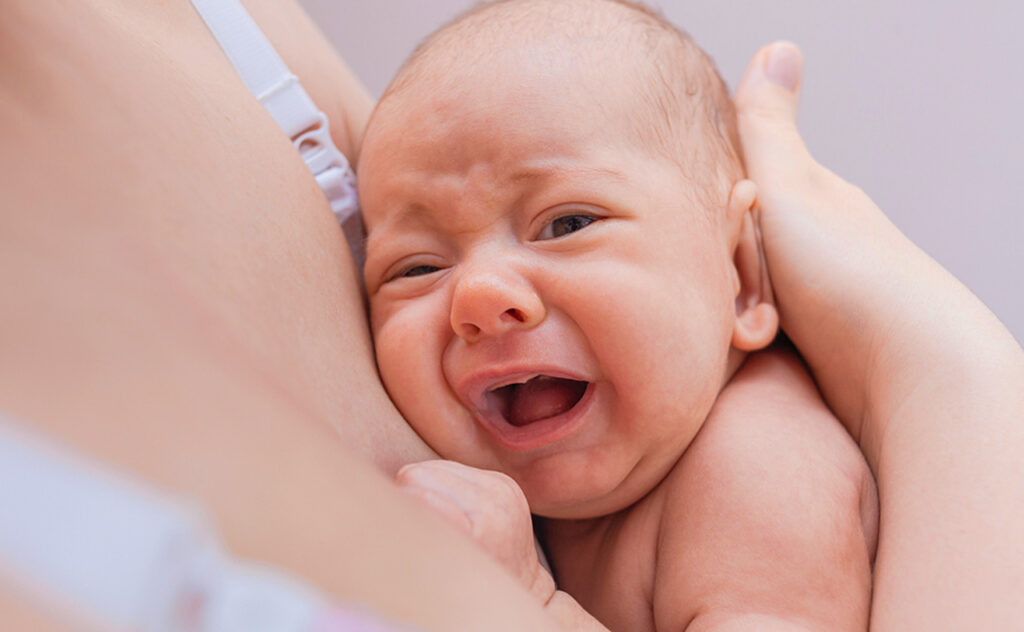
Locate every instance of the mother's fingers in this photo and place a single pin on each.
(766, 102)
(829, 251)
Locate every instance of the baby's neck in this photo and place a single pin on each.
(570, 543)
(598, 560)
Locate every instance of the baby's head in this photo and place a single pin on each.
(562, 266)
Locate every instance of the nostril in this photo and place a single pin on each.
(516, 314)
(470, 331)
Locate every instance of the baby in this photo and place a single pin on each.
(566, 286)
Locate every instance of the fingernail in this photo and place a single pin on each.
(782, 66)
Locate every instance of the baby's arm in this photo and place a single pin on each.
(770, 517)
(491, 508)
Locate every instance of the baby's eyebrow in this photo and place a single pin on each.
(403, 220)
(408, 214)
(545, 171)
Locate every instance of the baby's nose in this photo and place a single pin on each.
(492, 301)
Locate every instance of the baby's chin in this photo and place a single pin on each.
(581, 495)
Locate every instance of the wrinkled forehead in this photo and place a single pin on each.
(517, 78)
(521, 39)
(436, 152)
(556, 85)
(503, 105)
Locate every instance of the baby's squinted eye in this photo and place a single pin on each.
(419, 270)
(564, 225)
(559, 227)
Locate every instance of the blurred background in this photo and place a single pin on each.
(918, 102)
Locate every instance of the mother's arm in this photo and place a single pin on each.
(924, 376)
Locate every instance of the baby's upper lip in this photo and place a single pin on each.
(474, 387)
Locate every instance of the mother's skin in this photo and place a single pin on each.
(922, 374)
(178, 301)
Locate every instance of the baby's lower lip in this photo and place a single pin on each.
(539, 432)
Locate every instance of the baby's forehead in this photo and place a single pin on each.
(536, 83)
(601, 58)
(507, 40)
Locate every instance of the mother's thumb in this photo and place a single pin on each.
(766, 103)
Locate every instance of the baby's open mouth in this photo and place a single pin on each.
(538, 398)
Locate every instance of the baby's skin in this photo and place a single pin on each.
(768, 522)
(555, 299)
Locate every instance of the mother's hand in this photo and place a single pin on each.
(927, 380)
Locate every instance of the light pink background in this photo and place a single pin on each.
(918, 102)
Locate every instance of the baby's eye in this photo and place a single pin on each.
(564, 225)
(419, 270)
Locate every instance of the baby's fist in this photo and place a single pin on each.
(487, 505)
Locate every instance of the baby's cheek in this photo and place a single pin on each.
(398, 355)
(408, 356)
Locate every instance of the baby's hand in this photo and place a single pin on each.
(490, 507)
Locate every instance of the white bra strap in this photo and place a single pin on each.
(268, 78)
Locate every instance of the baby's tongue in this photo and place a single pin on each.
(543, 397)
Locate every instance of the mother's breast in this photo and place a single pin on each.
(149, 198)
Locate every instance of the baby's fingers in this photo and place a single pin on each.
(420, 483)
(487, 505)
(490, 502)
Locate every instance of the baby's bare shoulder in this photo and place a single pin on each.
(772, 410)
(768, 436)
(770, 512)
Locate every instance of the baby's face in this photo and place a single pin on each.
(546, 297)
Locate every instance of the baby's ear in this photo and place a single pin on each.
(757, 320)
